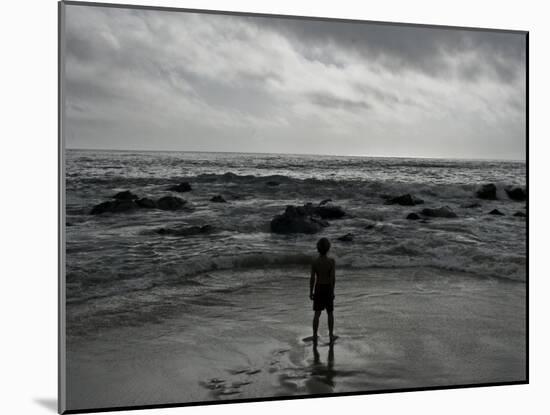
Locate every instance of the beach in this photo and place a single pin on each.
(206, 303)
(404, 329)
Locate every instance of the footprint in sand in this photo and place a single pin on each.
(219, 387)
(239, 384)
(244, 371)
(214, 384)
(237, 371)
(273, 366)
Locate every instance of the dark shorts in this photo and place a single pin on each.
(323, 298)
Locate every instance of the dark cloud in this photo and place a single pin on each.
(404, 47)
(185, 81)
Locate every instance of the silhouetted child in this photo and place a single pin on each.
(321, 287)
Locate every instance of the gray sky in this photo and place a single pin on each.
(157, 80)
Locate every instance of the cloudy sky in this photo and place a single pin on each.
(158, 80)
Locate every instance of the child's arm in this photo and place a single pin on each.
(311, 282)
(333, 275)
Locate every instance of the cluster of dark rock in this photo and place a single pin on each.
(305, 219)
(486, 192)
(489, 192)
(311, 219)
(410, 200)
(127, 201)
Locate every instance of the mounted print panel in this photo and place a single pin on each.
(264, 207)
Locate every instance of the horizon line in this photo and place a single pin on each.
(300, 154)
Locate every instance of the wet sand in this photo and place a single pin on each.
(398, 328)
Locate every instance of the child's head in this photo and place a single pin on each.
(323, 245)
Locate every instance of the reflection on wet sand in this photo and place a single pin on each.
(321, 379)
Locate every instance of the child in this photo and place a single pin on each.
(321, 287)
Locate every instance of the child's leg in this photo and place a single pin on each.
(316, 322)
(330, 317)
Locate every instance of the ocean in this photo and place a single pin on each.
(131, 289)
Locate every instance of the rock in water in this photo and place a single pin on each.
(182, 187)
(487, 191)
(346, 238)
(218, 199)
(520, 215)
(185, 231)
(170, 203)
(146, 203)
(413, 216)
(496, 212)
(404, 200)
(125, 195)
(305, 219)
(114, 206)
(329, 212)
(517, 193)
(324, 202)
(442, 212)
(294, 220)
